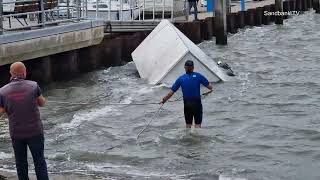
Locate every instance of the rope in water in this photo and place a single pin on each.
(153, 117)
(148, 103)
(149, 122)
(87, 103)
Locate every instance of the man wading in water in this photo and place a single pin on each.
(190, 84)
(20, 100)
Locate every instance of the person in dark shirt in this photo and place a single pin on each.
(194, 3)
(190, 83)
(20, 100)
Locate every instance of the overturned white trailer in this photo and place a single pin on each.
(161, 56)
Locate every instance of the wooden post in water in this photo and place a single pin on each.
(266, 17)
(278, 8)
(292, 5)
(221, 22)
(298, 5)
(316, 6)
(304, 5)
(240, 18)
(258, 16)
(286, 8)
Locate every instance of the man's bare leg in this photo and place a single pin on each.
(188, 125)
(197, 125)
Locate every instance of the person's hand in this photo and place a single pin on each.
(206, 93)
(163, 101)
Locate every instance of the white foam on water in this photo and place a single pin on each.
(57, 155)
(224, 177)
(127, 100)
(145, 90)
(8, 170)
(4, 156)
(82, 117)
(129, 170)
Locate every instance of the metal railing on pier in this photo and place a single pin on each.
(28, 14)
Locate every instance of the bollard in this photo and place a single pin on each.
(250, 17)
(258, 16)
(221, 22)
(240, 18)
(278, 8)
(231, 23)
(266, 17)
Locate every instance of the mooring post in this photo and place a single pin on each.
(278, 8)
(286, 8)
(298, 5)
(1, 18)
(304, 5)
(221, 22)
(265, 17)
(292, 5)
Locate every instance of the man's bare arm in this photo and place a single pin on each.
(41, 101)
(167, 97)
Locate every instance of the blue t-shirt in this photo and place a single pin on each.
(190, 84)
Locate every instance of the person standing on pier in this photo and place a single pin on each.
(194, 4)
(190, 83)
(20, 100)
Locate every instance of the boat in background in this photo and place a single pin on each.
(128, 11)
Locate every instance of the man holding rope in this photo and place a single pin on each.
(190, 83)
(20, 100)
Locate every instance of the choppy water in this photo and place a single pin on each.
(262, 126)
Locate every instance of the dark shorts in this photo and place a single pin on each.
(193, 110)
